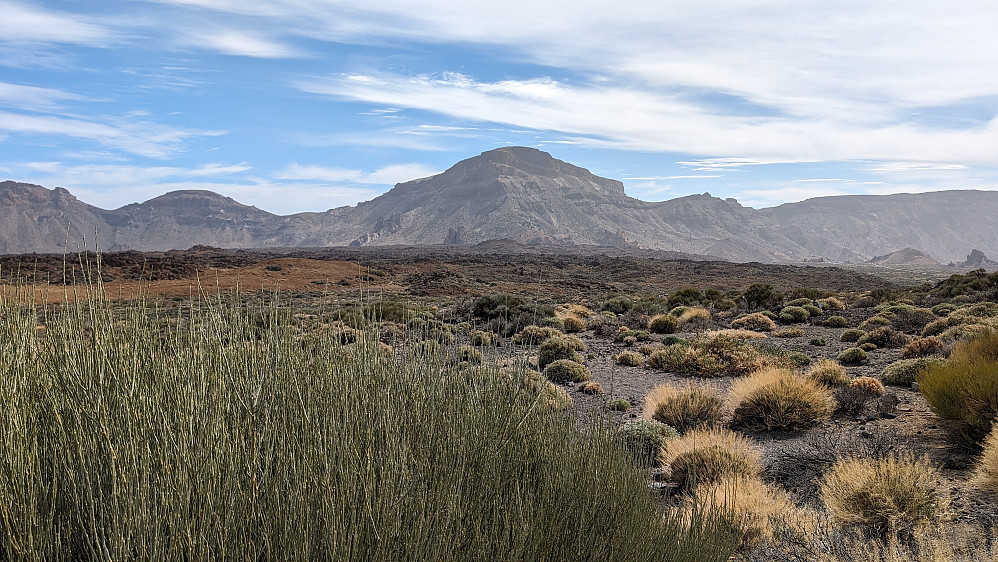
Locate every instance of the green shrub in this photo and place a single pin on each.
(905, 371)
(852, 335)
(887, 495)
(965, 388)
(761, 295)
(618, 405)
(813, 311)
(617, 305)
(836, 322)
(831, 303)
(793, 315)
(943, 309)
(685, 407)
(559, 347)
(554, 322)
(645, 438)
(885, 336)
(566, 370)
(868, 346)
(874, 322)
(663, 324)
(912, 320)
(688, 296)
(817, 342)
(800, 302)
(776, 399)
(853, 356)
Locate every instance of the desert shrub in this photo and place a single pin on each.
(705, 456)
(923, 346)
(774, 399)
(770, 314)
(965, 388)
(831, 303)
(591, 387)
(885, 336)
(573, 325)
(489, 307)
(986, 469)
(618, 405)
(905, 371)
(803, 301)
(482, 338)
(755, 321)
(817, 342)
(554, 322)
(630, 340)
(469, 354)
(852, 335)
(870, 385)
(813, 311)
(678, 311)
(559, 347)
(755, 509)
(937, 327)
(791, 332)
(712, 356)
(534, 335)
(629, 358)
(737, 334)
(828, 373)
(689, 296)
(874, 322)
(781, 357)
(867, 346)
(853, 356)
(762, 295)
(601, 325)
(836, 322)
(911, 320)
(685, 407)
(645, 438)
(943, 309)
(693, 314)
(663, 324)
(617, 305)
(649, 348)
(793, 315)
(889, 495)
(566, 370)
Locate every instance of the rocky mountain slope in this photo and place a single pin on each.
(524, 195)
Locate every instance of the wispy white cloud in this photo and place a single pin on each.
(242, 43)
(132, 134)
(33, 98)
(23, 22)
(388, 175)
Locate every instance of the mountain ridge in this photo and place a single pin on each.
(527, 196)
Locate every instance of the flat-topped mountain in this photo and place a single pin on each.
(527, 196)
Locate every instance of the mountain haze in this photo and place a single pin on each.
(525, 195)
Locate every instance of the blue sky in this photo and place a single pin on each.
(297, 105)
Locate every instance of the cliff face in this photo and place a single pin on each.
(524, 195)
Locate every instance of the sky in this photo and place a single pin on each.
(306, 105)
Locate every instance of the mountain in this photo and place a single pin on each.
(526, 196)
(907, 257)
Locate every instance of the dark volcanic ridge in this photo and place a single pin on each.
(525, 196)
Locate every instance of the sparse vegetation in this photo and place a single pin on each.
(618, 405)
(852, 335)
(756, 321)
(794, 315)
(630, 358)
(645, 438)
(923, 346)
(560, 347)
(836, 322)
(566, 370)
(905, 371)
(791, 332)
(663, 324)
(870, 385)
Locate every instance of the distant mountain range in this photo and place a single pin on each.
(524, 195)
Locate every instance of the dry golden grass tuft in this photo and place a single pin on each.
(986, 470)
(869, 384)
(828, 373)
(736, 333)
(754, 508)
(890, 496)
(629, 358)
(705, 456)
(756, 321)
(772, 399)
(685, 407)
(694, 313)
